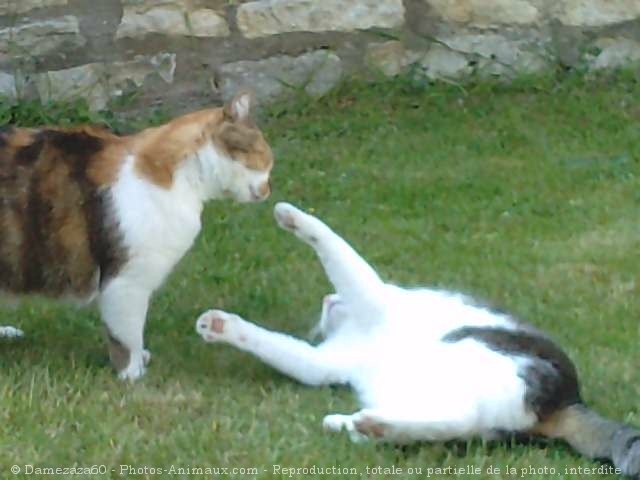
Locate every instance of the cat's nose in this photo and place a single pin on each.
(265, 189)
(260, 193)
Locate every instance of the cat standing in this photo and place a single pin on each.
(427, 365)
(89, 215)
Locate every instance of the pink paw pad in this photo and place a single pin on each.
(369, 427)
(217, 325)
(286, 216)
(288, 221)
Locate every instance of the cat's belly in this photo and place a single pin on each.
(77, 297)
(448, 382)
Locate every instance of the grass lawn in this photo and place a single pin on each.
(527, 196)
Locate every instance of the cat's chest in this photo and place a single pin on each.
(157, 225)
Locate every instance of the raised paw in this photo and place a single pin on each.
(11, 332)
(215, 325)
(306, 227)
(287, 216)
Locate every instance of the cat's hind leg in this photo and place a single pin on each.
(377, 425)
(10, 332)
(392, 428)
(291, 356)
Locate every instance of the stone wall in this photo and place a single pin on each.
(182, 54)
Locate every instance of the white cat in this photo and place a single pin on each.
(426, 364)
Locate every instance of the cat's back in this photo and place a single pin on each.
(54, 234)
(86, 151)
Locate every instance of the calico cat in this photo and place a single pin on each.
(427, 365)
(89, 215)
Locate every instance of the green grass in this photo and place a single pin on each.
(527, 196)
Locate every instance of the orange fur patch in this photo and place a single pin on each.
(104, 170)
(161, 150)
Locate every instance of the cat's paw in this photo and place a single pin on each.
(369, 425)
(11, 332)
(136, 367)
(304, 226)
(337, 423)
(216, 325)
(287, 216)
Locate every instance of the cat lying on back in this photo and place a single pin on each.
(427, 364)
(89, 215)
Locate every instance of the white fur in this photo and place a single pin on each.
(158, 226)
(10, 332)
(386, 343)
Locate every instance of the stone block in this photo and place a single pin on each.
(269, 17)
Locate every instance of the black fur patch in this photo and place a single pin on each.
(104, 237)
(35, 248)
(29, 154)
(550, 376)
(79, 146)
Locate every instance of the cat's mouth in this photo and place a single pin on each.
(255, 196)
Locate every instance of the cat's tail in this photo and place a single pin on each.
(596, 437)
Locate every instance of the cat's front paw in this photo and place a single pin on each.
(304, 226)
(11, 332)
(287, 216)
(216, 325)
(136, 367)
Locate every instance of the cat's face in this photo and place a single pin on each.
(249, 159)
(233, 158)
(334, 314)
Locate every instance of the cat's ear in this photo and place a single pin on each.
(239, 108)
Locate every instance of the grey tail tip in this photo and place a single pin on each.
(625, 451)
